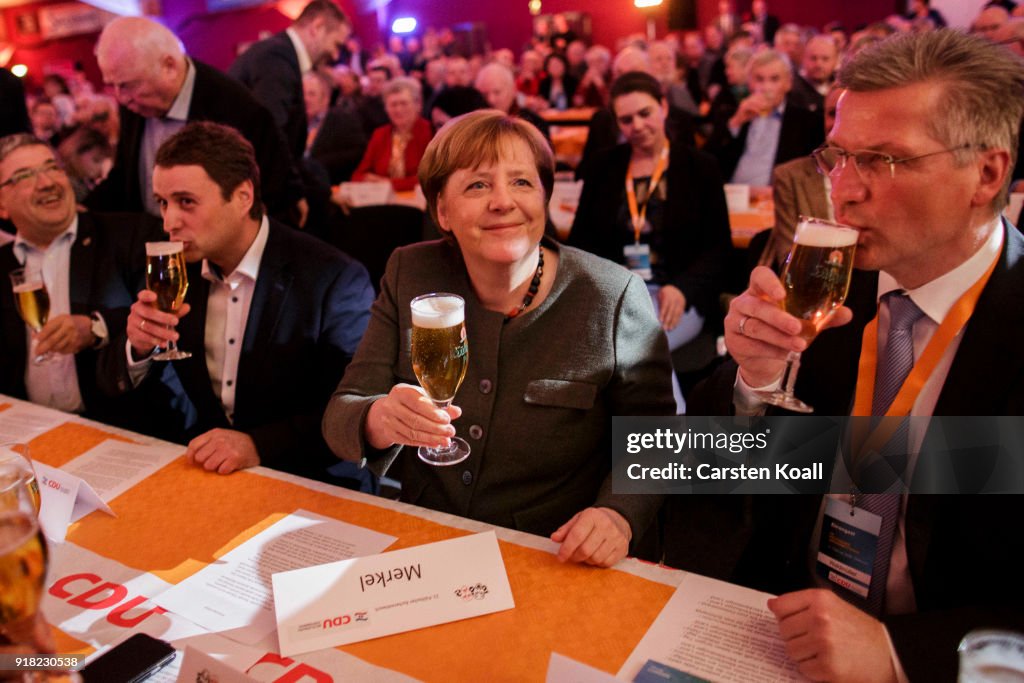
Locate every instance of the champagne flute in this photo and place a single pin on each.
(440, 356)
(33, 303)
(816, 276)
(166, 277)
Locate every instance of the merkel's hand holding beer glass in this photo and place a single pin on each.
(816, 276)
(32, 301)
(440, 356)
(166, 277)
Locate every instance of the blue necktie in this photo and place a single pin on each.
(885, 471)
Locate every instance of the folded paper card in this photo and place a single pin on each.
(403, 590)
(64, 498)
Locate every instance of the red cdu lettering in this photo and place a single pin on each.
(115, 617)
(117, 594)
(58, 587)
(302, 673)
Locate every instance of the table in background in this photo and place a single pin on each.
(181, 518)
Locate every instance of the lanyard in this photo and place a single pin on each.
(639, 216)
(902, 405)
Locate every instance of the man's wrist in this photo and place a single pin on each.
(99, 330)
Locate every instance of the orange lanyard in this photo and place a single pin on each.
(639, 216)
(902, 405)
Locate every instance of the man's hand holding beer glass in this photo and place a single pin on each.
(774, 320)
(149, 327)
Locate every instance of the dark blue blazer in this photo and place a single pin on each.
(309, 311)
(961, 549)
(108, 262)
(270, 69)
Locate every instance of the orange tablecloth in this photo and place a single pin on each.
(579, 116)
(181, 518)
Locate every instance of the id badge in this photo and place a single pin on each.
(846, 552)
(638, 260)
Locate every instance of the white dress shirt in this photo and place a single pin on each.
(227, 312)
(54, 383)
(305, 63)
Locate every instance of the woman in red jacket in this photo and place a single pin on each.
(396, 148)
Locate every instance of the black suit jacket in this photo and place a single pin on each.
(108, 263)
(801, 133)
(339, 143)
(219, 99)
(803, 94)
(961, 549)
(696, 221)
(270, 69)
(309, 310)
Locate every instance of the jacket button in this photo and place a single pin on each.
(485, 386)
(467, 477)
(476, 432)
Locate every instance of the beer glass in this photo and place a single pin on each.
(816, 276)
(990, 656)
(166, 277)
(440, 356)
(33, 303)
(17, 454)
(22, 563)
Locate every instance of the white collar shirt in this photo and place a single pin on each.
(227, 313)
(54, 383)
(305, 63)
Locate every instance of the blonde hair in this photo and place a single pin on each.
(982, 97)
(477, 138)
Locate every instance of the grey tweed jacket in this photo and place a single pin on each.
(538, 397)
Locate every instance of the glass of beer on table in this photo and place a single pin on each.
(17, 454)
(33, 303)
(440, 356)
(816, 276)
(166, 277)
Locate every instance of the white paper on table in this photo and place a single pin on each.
(199, 667)
(562, 669)
(715, 630)
(404, 590)
(360, 194)
(64, 498)
(113, 467)
(232, 596)
(23, 421)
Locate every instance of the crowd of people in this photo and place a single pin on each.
(296, 363)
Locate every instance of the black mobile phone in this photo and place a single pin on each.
(135, 659)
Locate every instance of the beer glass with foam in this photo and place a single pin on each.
(816, 276)
(440, 356)
(33, 303)
(166, 277)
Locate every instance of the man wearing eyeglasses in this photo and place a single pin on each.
(91, 264)
(919, 160)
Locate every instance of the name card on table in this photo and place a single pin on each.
(64, 498)
(379, 595)
(367, 194)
